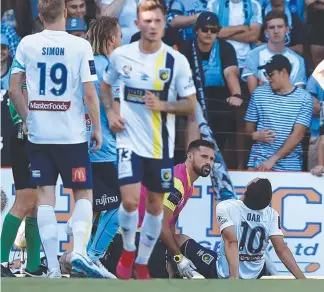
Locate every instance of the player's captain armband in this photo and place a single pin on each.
(92, 67)
(279, 224)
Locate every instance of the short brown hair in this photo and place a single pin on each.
(100, 31)
(50, 10)
(275, 14)
(149, 5)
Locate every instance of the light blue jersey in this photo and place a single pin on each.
(5, 80)
(108, 152)
(315, 90)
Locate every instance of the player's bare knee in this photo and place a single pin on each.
(24, 203)
(82, 194)
(46, 196)
(130, 204)
(181, 239)
(154, 203)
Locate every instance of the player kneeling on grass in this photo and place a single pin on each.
(247, 226)
(199, 162)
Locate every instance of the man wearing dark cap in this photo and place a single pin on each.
(277, 119)
(247, 226)
(215, 72)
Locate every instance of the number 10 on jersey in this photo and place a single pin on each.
(57, 74)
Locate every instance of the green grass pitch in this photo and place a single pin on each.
(92, 285)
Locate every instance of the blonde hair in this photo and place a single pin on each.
(149, 5)
(100, 32)
(50, 10)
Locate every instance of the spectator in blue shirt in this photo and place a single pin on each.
(318, 96)
(13, 39)
(278, 116)
(276, 27)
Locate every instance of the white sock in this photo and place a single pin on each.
(81, 225)
(150, 233)
(128, 222)
(48, 231)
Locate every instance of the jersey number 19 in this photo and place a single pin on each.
(61, 80)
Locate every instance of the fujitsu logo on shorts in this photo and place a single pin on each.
(46, 105)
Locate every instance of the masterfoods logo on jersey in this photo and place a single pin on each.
(46, 105)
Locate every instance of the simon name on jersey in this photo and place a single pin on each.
(53, 51)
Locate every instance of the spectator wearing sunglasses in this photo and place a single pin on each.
(214, 62)
(278, 116)
(276, 27)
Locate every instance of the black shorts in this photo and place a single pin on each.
(70, 161)
(106, 193)
(203, 258)
(155, 174)
(20, 163)
(157, 264)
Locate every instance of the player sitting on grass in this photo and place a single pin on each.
(247, 227)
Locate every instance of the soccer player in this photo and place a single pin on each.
(200, 159)
(24, 206)
(57, 66)
(247, 226)
(104, 36)
(151, 76)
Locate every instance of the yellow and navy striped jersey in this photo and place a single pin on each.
(167, 74)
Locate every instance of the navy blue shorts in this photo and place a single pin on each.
(155, 174)
(70, 161)
(106, 193)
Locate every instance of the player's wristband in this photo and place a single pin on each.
(178, 258)
(237, 95)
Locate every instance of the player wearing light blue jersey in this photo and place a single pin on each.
(104, 36)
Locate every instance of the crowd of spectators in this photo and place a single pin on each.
(248, 33)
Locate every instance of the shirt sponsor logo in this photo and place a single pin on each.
(250, 258)
(79, 174)
(92, 67)
(105, 200)
(164, 74)
(136, 95)
(52, 106)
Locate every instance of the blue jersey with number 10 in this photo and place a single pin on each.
(108, 152)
